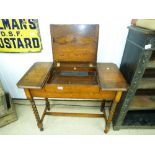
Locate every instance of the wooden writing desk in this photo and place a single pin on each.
(73, 75)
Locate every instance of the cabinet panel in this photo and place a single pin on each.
(140, 119)
(130, 60)
(149, 73)
(145, 92)
(147, 83)
(143, 103)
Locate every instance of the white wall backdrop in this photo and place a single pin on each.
(113, 22)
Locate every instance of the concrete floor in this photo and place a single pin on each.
(26, 124)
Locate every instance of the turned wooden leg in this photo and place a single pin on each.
(47, 104)
(36, 113)
(35, 110)
(112, 110)
(103, 110)
(102, 106)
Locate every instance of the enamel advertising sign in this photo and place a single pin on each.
(19, 35)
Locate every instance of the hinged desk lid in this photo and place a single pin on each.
(75, 42)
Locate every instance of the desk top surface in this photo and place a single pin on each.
(109, 76)
(36, 76)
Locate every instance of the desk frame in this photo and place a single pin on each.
(111, 86)
(108, 119)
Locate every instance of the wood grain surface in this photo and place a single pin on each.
(143, 103)
(36, 76)
(74, 42)
(110, 78)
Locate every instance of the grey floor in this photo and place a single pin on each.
(26, 124)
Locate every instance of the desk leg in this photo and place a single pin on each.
(102, 106)
(112, 111)
(47, 103)
(35, 110)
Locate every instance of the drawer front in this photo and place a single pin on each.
(76, 95)
(71, 88)
(73, 91)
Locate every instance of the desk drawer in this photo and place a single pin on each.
(56, 88)
(76, 95)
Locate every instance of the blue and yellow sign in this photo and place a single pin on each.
(19, 35)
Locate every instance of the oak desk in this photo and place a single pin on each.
(37, 83)
(74, 73)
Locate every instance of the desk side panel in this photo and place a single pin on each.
(36, 76)
(110, 78)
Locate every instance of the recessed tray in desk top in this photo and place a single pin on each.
(69, 74)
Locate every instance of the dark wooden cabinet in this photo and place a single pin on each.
(137, 106)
